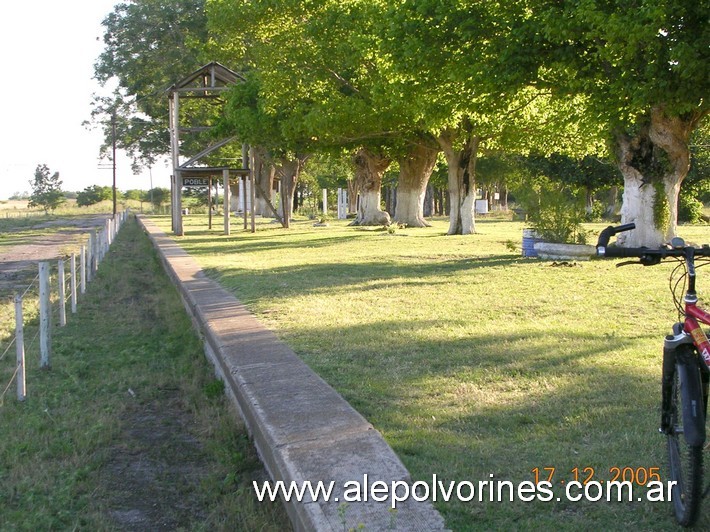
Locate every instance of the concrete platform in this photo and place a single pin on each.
(302, 428)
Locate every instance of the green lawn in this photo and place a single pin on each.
(470, 360)
(130, 420)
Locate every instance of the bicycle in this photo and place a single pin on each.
(685, 373)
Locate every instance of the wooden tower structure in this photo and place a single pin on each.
(209, 81)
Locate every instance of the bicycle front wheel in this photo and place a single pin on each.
(685, 453)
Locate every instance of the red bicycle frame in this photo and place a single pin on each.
(693, 315)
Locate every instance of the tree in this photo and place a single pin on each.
(451, 67)
(643, 67)
(315, 87)
(415, 168)
(135, 194)
(320, 85)
(148, 46)
(92, 195)
(588, 174)
(385, 78)
(158, 196)
(46, 189)
(245, 116)
(369, 169)
(695, 191)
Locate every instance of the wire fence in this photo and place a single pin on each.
(38, 306)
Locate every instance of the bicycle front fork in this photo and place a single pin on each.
(679, 356)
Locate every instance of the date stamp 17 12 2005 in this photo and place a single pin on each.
(639, 476)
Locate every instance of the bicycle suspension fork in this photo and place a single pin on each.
(679, 356)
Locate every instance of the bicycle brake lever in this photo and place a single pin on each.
(645, 260)
(648, 260)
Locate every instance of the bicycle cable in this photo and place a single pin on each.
(678, 295)
(677, 299)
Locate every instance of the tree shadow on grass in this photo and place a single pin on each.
(317, 278)
(500, 404)
(234, 244)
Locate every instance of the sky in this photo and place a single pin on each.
(47, 53)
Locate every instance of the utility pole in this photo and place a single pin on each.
(150, 173)
(113, 135)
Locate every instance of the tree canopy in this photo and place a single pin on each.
(643, 67)
(148, 46)
(93, 194)
(46, 189)
(400, 80)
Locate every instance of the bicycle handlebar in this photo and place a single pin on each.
(607, 233)
(651, 256)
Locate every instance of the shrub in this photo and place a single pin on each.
(690, 209)
(556, 212)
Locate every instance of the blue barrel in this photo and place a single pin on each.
(530, 237)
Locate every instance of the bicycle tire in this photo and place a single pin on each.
(685, 459)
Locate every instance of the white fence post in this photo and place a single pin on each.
(20, 349)
(72, 278)
(325, 202)
(105, 241)
(82, 267)
(107, 228)
(342, 204)
(89, 257)
(99, 248)
(94, 252)
(61, 280)
(45, 315)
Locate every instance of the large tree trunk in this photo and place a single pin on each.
(504, 198)
(654, 163)
(352, 196)
(429, 201)
(415, 168)
(289, 171)
(265, 173)
(390, 200)
(369, 168)
(610, 210)
(462, 182)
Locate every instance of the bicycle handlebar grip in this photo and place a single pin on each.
(607, 233)
(625, 227)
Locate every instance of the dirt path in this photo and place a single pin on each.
(18, 263)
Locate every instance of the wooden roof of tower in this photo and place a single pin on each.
(213, 77)
(207, 81)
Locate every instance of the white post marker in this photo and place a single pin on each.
(94, 252)
(45, 317)
(227, 200)
(342, 204)
(20, 349)
(72, 282)
(82, 267)
(61, 280)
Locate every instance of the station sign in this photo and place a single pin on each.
(195, 181)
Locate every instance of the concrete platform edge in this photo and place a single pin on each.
(327, 441)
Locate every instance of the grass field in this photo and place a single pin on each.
(474, 363)
(21, 209)
(129, 429)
